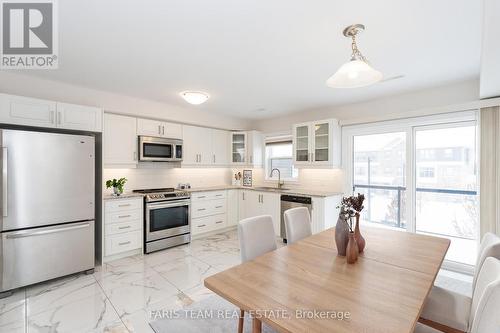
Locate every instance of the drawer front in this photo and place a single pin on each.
(118, 205)
(219, 221)
(210, 195)
(207, 208)
(118, 228)
(219, 206)
(201, 225)
(122, 242)
(125, 216)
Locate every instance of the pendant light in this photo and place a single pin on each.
(357, 72)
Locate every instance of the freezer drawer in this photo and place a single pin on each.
(39, 254)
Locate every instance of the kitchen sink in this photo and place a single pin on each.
(270, 188)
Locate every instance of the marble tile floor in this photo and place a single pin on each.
(121, 295)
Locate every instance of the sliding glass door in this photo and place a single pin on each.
(446, 201)
(419, 175)
(379, 173)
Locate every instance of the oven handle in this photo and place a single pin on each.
(159, 205)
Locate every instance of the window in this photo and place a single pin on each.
(279, 155)
(426, 172)
(437, 155)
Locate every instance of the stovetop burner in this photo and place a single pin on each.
(163, 194)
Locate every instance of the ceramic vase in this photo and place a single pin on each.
(357, 235)
(352, 251)
(341, 236)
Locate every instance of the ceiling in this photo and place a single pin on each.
(260, 59)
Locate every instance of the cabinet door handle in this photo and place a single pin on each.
(59, 116)
(201, 209)
(124, 205)
(163, 130)
(243, 195)
(201, 225)
(126, 227)
(124, 243)
(262, 198)
(159, 129)
(214, 158)
(123, 216)
(202, 197)
(219, 206)
(218, 222)
(219, 195)
(52, 117)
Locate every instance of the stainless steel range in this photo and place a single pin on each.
(167, 220)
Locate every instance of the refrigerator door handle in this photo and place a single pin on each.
(30, 233)
(5, 178)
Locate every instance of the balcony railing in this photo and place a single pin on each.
(400, 189)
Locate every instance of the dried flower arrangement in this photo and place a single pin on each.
(351, 207)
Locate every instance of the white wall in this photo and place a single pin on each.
(165, 177)
(24, 85)
(490, 66)
(423, 102)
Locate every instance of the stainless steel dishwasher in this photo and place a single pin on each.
(292, 201)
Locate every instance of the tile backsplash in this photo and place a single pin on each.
(314, 179)
(168, 177)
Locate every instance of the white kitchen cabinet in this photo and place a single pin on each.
(220, 147)
(122, 228)
(79, 117)
(157, 128)
(247, 149)
(19, 110)
(256, 203)
(208, 211)
(119, 140)
(317, 144)
(204, 147)
(27, 111)
(232, 207)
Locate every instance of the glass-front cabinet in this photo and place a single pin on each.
(317, 144)
(238, 147)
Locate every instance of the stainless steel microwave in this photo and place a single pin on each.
(153, 149)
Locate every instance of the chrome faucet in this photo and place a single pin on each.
(280, 183)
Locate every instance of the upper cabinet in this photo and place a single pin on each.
(119, 140)
(27, 111)
(317, 144)
(78, 117)
(246, 149)
(204, 146)
(159, 128)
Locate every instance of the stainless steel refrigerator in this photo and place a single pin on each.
(47, 206)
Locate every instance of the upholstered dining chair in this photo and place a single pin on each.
(257, 237)
(462, 314)
(443, 305)
(297, 224)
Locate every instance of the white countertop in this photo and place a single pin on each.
(291, 191)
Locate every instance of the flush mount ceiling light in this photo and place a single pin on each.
(195, 97)
(357, 72)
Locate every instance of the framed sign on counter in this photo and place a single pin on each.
(247, 177)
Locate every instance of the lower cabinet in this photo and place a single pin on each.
(208, 211)
(255, 203)
(122, 228)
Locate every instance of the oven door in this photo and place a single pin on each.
(156, 149)
(167, 219)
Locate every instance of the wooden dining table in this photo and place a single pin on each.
(307, 287)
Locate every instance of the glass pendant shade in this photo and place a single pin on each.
(354, 74)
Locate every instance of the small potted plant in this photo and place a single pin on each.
(117, 185)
